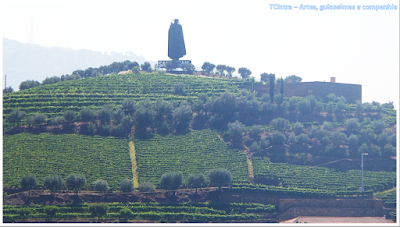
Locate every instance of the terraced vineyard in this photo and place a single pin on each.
(95, 92)
(195, 152)
(320, 177)
(44, 154)
(200, 212)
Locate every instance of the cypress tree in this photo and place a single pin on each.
(271, 86)
(281, 87)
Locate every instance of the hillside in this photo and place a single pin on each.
(286, 146)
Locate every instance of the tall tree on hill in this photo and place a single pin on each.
(264, 77)
(230, 70)
(221, 69)
(244, 72)
(207, 67)
(281, 87)
(271, 86)
(293, 79)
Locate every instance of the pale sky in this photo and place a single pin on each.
(355, 46)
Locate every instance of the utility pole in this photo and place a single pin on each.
(362, 171)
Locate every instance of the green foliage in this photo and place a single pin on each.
(244, 72)
(310, 177)
(220, 177)
(57, 120)
(75, 182)
(383, 139)
(182, 116)
(194, 152)
(104, 114)
(207, 67)
(87, 114)
(352, 124)
(69, 115)
(171, 180)
(297, 128)
(54, 183)
(98, 209)
(28, 84)
(100, 185)
(255, 132)
(197, 180)
(146, 66)
(379, 126)
(235, 131)
(389, 150)
(327, 126)
(16, 116)
(44, 154)
(28, 182)
(126, 186)
(255, 147)
(293, 79)
(277, 138)
(353, 140)
(126, 213)
(179, 89)
(146, 187)
(304, 107)
(51, 211)
(279, 123)
(302, 139)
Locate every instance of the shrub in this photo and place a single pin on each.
(277, 138)
(146, 187)
(392, 139)
(105, 130)
(100, 185)
(54, 183)
(104, 115)
(220, 177)
(319, 107)
(69, 115)
(389, 150)
(359, 108)
(304, 107)
(292, 139)
(125, 213)
(374, 151)
(338, 138)
(255, 147)
(51, 211)
(363, 149)
(235, 130)
(329, 107)
(16, 116)
(339, 107)
(352, 124)
(171, 180)
(302, 139)
(255, 132)
(126, 186)
(57, 120)
(37, 119)
(196, 181)
(353, 140)
(24, 212)
(75, 182)
(379, 126)
(179, 89)
(98, 209)
(128, 106)
(383, 139)
(87, 114)
(327, 126)
(298, 128)
(91, 129)
(28, 182)
(279, 123)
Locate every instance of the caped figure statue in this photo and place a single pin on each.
(176, 44)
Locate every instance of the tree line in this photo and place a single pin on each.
(169, 181)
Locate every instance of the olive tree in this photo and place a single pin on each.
(220, 177)
(196, 181)
(75, 182)
(171, 180)
(28, 182)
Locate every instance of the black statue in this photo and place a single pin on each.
(176, 44)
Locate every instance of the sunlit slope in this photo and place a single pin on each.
(44, 154)
(95, 92)
(297, 176)
(195, 152)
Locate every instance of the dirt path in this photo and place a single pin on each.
(132, 153)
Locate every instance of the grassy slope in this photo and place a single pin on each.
(44, 154)
(195, 152)
(321, 177)
(52, 99)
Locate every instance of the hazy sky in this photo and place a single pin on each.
(355, 46)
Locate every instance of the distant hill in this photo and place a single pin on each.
(22, 61)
